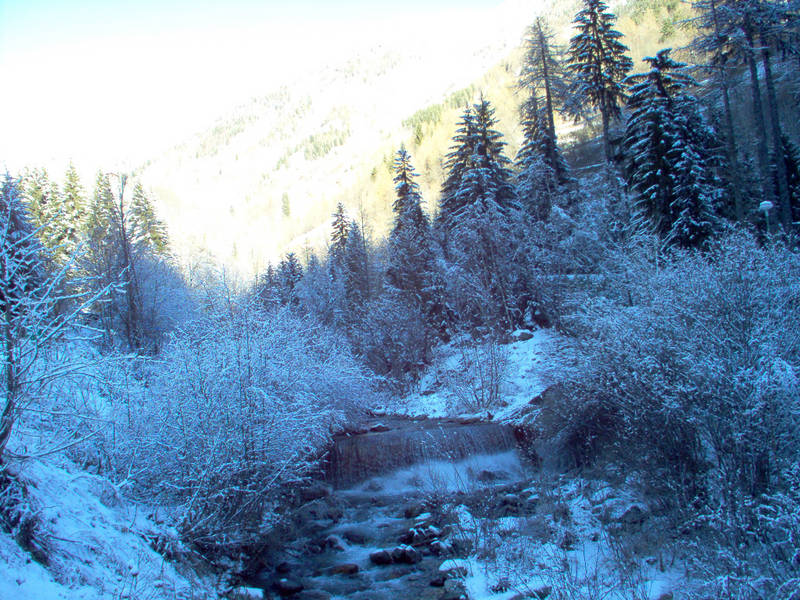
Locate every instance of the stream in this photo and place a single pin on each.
(374, 528)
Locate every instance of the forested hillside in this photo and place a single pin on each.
(569, 369)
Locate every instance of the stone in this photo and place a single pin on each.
(666, 596)
(521, 335)
(381, 557)
(314, 491)
(334, 542)
(356, 535)
(406, 555)
(439, 580)
(344, 569)
(454, 589)
(379, 428)
(623, 512)
(287, 587)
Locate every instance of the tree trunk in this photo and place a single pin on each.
(761, 128)
(733, 158)
(8, 417)
(606, 141)
(784, 200)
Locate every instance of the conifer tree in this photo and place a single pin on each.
(545, 81)
(481, 218)
(356, 272)
(669, 160)
(290, 272)
(455, 164)
(339, 232)
(71, 214)
(598, 62)
(41, 197)
(537, 179)
(410, 252)
(146, 229)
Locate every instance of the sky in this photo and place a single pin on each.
(113, 82)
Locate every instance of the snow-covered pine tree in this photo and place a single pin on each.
(409, 241)
(41, 197)
(290, 272)
(791, 161)
(544, 80)
(455, 164)
(71, 215)
(669, 162)
(339, 230)
(356, 273)
(598, 63)
(483, 224)
(536, 179)
(147, 231)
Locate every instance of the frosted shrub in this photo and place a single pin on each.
(695, 357)
(237, 410)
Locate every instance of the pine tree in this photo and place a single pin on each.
(41, 197)
(146, 229)
(598, 62)
(356, 273)
(537, 179)
(410, 252)
(669, 161)
(290, 272)
(480, 220)
(791, 161)
(545, 81)
(455, 164)
(339, 232)
(71, 214)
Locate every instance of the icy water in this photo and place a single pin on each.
(378, 531)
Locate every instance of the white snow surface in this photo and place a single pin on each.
(96, 542)
(446, 388)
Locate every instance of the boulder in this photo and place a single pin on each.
(344, 569)
(521, 335)
(623, 512)
(287, 587)
(381, 557)
(405, 554)
(454, 589)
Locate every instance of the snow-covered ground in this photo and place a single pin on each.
(97, 545)
(462, 379)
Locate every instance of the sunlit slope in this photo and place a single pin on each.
(265, 179)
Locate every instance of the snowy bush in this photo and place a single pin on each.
(690, 373)
(239, 406)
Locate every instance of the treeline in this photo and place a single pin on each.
(671, 170)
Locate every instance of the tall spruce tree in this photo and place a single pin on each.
(42, 200)
(410, 254)
(599, 63)
(339, 231)
(544, 80)
(669, 155)
(147, 231)
(71, 214)
(537, 179)
(481, 219)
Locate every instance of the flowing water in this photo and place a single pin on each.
(388, 486)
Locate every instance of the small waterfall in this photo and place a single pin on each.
(357, 457)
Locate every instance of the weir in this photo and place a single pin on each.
(356, 457)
